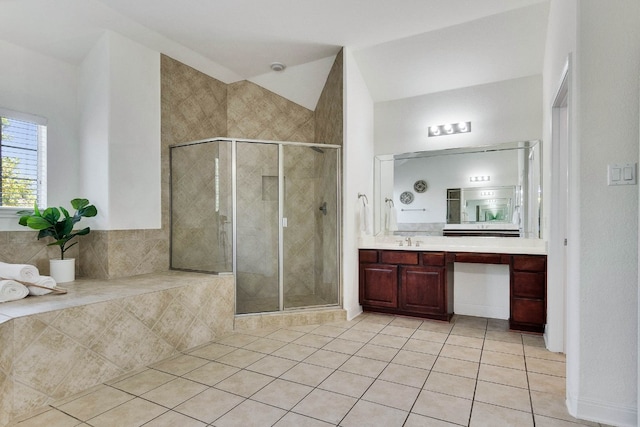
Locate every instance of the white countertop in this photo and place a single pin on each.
(504, 245)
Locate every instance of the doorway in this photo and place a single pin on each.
(558, 260)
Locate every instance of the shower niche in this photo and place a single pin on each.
(266, 211)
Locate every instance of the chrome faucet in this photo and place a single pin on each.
(408, 241)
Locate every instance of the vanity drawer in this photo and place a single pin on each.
(483, 258)
(529, 263)
(399, 257)
(528, 311)
(433, 258)
(368, 255)
(528, 285)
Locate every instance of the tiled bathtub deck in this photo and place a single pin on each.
(376, 370)
(53, 346)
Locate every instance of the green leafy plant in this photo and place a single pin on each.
(51, 222)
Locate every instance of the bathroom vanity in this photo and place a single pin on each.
(418, 280)
(439, 212)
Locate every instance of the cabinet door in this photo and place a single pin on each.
(423, 290)
(379, 285)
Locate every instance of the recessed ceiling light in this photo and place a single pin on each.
(278, 66)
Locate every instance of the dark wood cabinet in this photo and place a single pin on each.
(406, 282)
(423, 291)
(416, 283)
(528, 292)
(379, 285)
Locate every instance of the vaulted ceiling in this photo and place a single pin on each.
(404, 48)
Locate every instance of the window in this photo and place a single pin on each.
(23, 140)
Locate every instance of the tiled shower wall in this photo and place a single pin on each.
(329, 110)
(256, 113)
(194, 106)
(329, 130)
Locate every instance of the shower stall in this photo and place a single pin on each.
(266, 211)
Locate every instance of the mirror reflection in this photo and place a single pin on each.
(484, 190)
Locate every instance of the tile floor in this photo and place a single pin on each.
(376, 370)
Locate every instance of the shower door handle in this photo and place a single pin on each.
(284, 222)
(323, 208)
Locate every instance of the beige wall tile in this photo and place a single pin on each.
(85, 323)
(328, 114)
(38, 370)
(27, 399)
(6, 398)
(88, 370)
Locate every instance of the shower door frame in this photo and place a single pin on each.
(281, 193)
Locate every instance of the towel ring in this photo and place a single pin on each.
(365, 201)
(389, 202)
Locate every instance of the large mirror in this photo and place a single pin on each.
(492, 190)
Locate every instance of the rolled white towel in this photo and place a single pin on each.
(21, 272)
(10, 290)
(368, 224)
(362, 217)
(42, 282)
(392, 219)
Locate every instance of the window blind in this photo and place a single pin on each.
(23, 153)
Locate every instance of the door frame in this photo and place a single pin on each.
(558, 262)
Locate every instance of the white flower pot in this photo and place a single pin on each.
(63, 270)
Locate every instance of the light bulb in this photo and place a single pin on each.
(435, 130)
(462, 127)
(448, 128)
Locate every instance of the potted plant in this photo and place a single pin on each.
(58, 224)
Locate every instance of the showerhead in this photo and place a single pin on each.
(318, 149)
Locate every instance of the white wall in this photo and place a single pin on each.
(134, 136)
(36, 84)
(120, 133)
(481, 290)
(93, 98)
(357, 173)
(506, 111)
(602, 305)
(608, 67)
(561, 42)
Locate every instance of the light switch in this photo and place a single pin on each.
(628, 173)
(622, 174)
(615, 174)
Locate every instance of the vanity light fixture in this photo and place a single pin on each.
(450, 129)
(482, 178)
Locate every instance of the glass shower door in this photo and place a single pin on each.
(201, 207)
(257, 228)
(310, 251)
